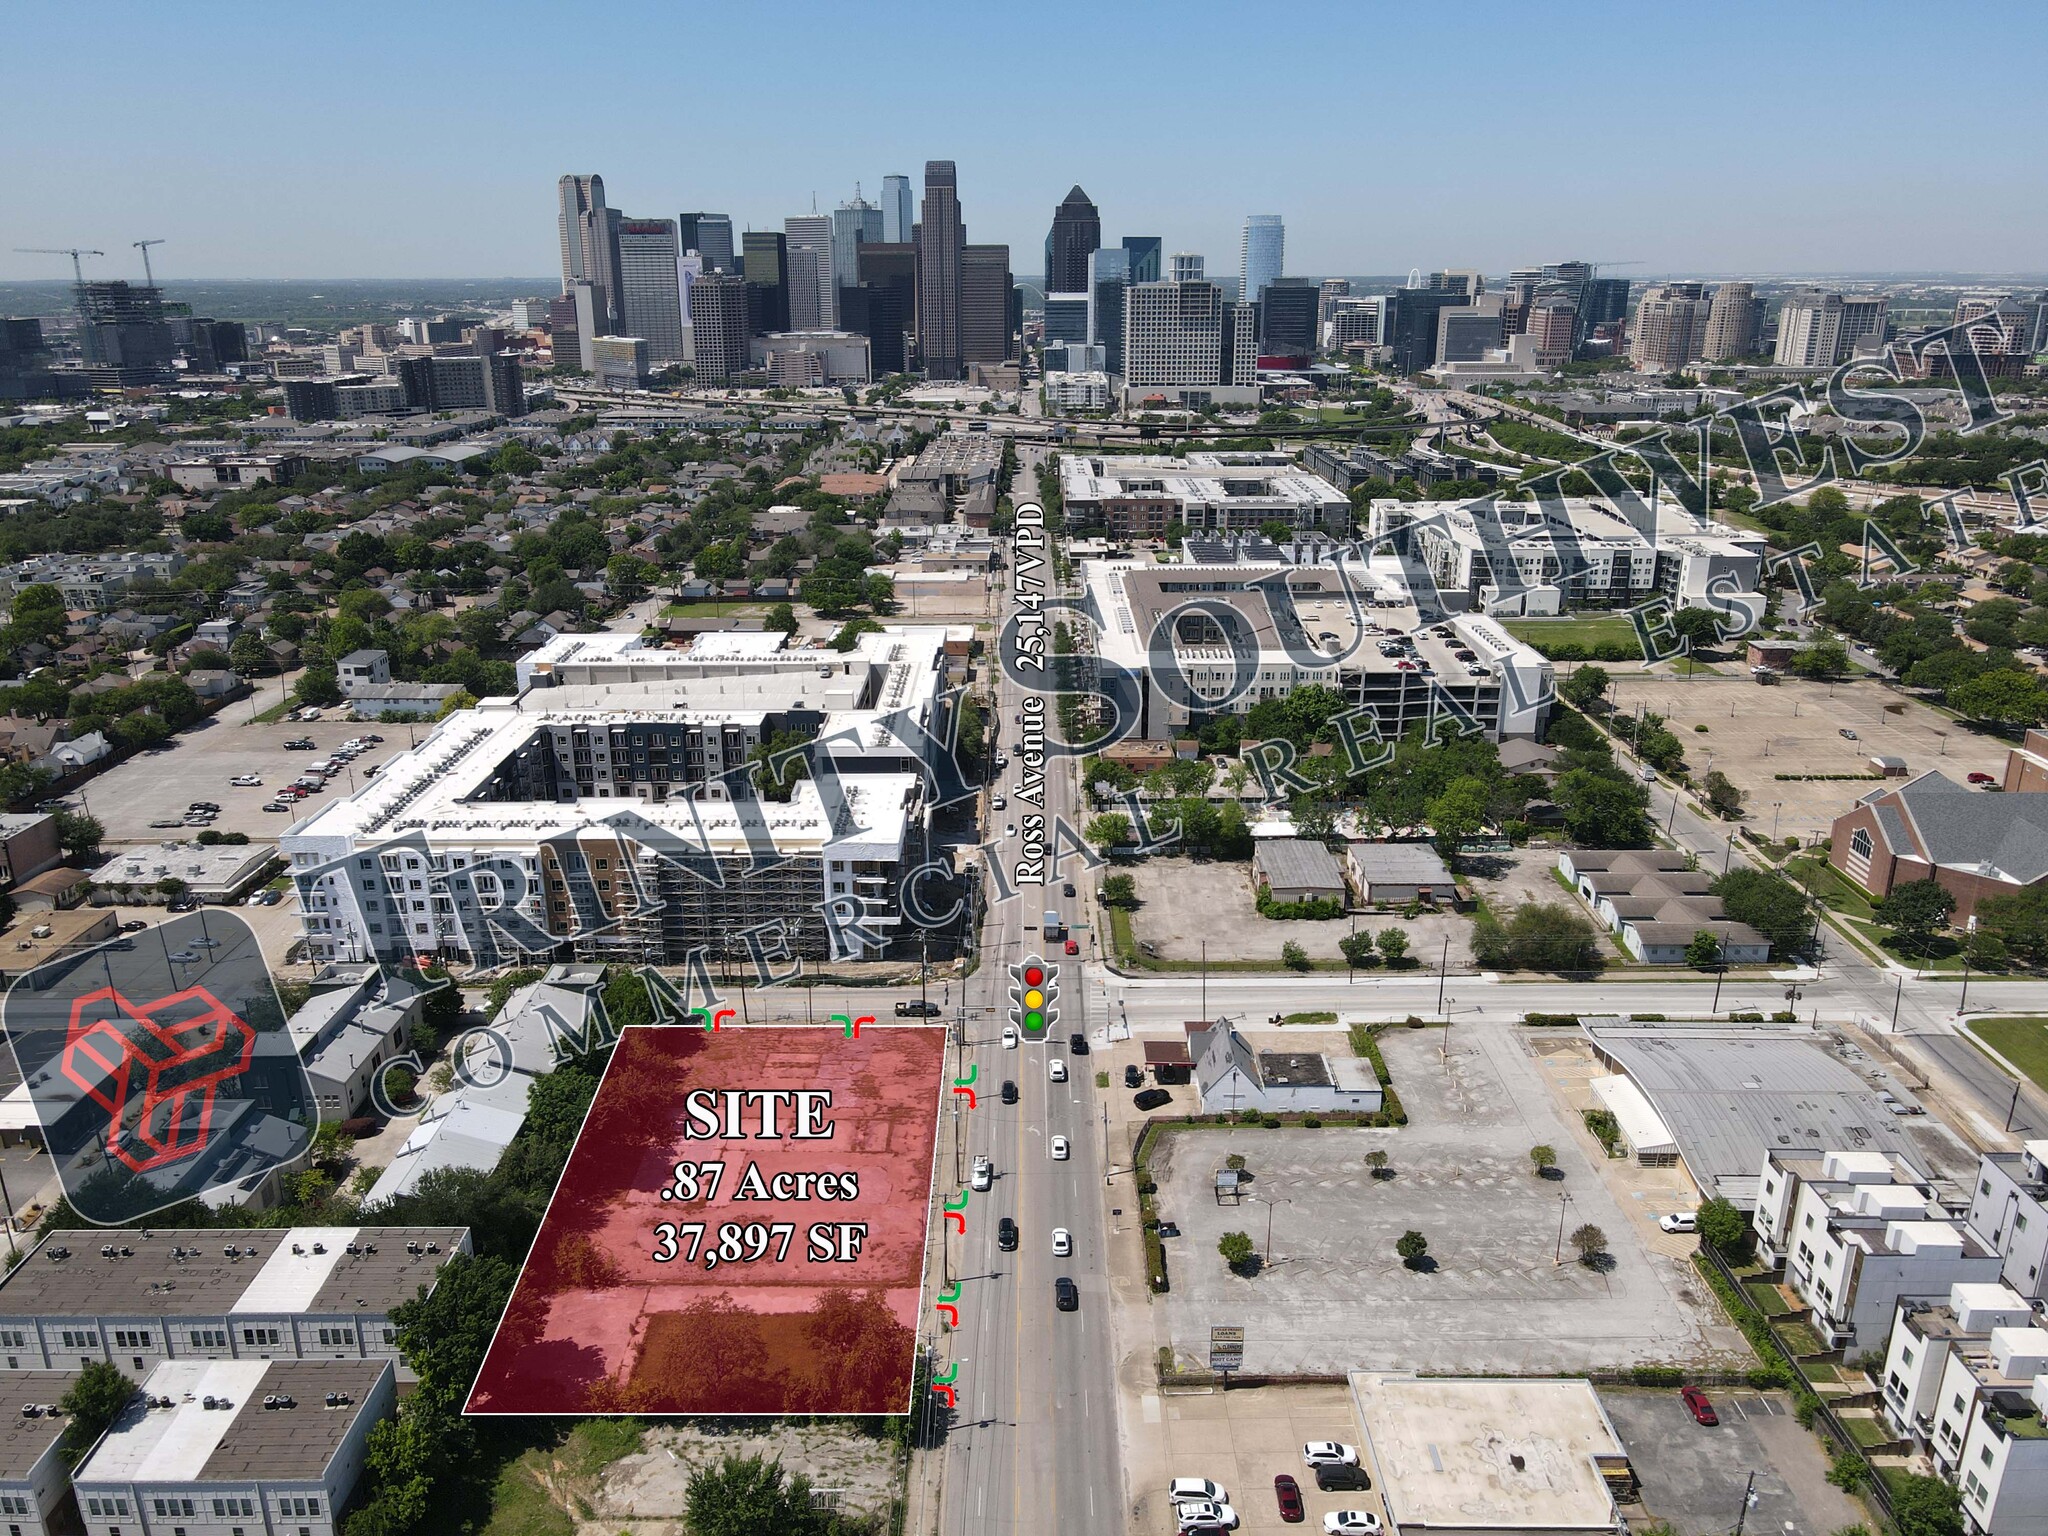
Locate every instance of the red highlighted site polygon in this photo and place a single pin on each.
(740, 1230)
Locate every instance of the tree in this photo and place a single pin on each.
(37, 613)
(1770, 904)
(1377, 1160)
(1393, 943)
(1722, 1225)
(1359, 950)
(1698, 627)
(1585, 688)
(1603, 810)
(92, 1404)
(249, 656)
(1236, 1248)
(1543, 1157)
(2004, 697)
(1723, 795)
(1112, 829)
(1823, 659)
(1925, 1506)
(1294, 957)
(1537, 936)
(318, 685)
(1704, 952)
(2018, 920)
(751, 1496)
(1119, 891)
(1590, 1241)
(781, 618)
(455, 703)
(1457, 813)
(331, 1144)
(1916, 911)
(1411, 1246)
(79, 834)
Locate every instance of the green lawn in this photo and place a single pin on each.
(1587, 630)
(2023, 1042)
(1835, 889)
(714, 608)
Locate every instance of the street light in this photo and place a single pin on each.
(1564, 1202)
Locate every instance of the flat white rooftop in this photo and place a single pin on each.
(1471, 1455)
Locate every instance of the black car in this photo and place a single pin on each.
(1006, 1234)
(1009, 1094)
(1078, 1044)
(1068, 888)
(1151, 1098)
(1342, 1479)
(1134, 1075)
(1066, 1295)
(183, 904)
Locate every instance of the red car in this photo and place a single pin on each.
(1073, 946)
(1289, 1495)
(1982, 778)
(1696, 1403)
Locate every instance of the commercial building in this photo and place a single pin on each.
(718, 324)
(813, 294)
(1288, 311)
(1292, 869)
(1066, 318)
(28, 846)
(650, 288)
(854, 224)
(897, 217)
(1525, 1457)
(1409, 328)
(619, 362)
(1467, 334)
(218, 875)
(1394, 874)
(986, 332)
(1184, 638)
(1109, 274)
(1932, 828)
(1142, 253)
(940, 236)
(590, 249)
(123, 334)
(1262, 252)
(1657, 906)
(765, 261)
(1184, 345)
(710, 236)
(233, 1445)
(1856, 1231)
(1086, 390)
(1670, 328)
(1076, 235)
(1186, 267)
(464, 383)
(225, 471)
(137, 1297)
(882, 306)
(1231, 1076)
(818, 357)
(608, 812)
(34, 1484)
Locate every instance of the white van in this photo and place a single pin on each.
(323, 766)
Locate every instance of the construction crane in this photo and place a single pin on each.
(143, 246)
(74, 252)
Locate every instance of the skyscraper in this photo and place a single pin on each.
(650, 290)
(123, 334)
(854, 224)
(883, 305)
(1287, 322)
(564, 340)
(1333, 289)
(1552, 327)
(1144, 256)
(1187, 267)
(1670, 327)
(985, 333)
(719, 325)
(1109, 275)
(1461, 280)
(940, 235)
(764, 256)
(1819, 330)
(592, 320)
(896, 210)
(1076, 234)
(1262, 256)
(710, 235)
(1410, 326)
(1734, 322)
(813, 303)
(577, 196)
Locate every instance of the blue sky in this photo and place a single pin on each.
(370, 139)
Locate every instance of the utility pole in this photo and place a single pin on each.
(1748, 1498)
(2014, 1107)
(1899, 997)
(1443, 971)
(1205, 981)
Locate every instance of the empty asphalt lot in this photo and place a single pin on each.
(197, 764)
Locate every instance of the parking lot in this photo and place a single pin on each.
(1693, 1477)
(1754, 733)
(197, 764)
(1494, 1296)
(1186, 902)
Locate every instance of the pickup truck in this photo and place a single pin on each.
(1054, 928)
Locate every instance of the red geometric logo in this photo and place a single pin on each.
(167, 1056)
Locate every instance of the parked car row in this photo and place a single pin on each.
(1201, 1506)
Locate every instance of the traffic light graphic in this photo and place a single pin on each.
(1034, 996)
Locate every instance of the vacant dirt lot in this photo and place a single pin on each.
(1185, 902)
(1755, 733)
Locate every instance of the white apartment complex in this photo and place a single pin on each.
(1145, 495)
(1819, 330)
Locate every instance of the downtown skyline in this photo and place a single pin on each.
(1399, 171)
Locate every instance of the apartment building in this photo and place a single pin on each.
(610, 813)
(1856, 1231)
(1965, 1381)
(236, 1448)
(34, 1488)
(1142, 496)
(140, 1296)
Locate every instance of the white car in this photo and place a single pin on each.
(1009, 1037)
(1649, 777)
(183, 957)
(1062, 1243)
(1329, 1453)
(1351, 1522)
(983, 1174)
(245, 781)
(1056, 1070)
(1204, 1514)
(1680, 1221)
(1059, 1149)
(999, 804)
(1182, 1489)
